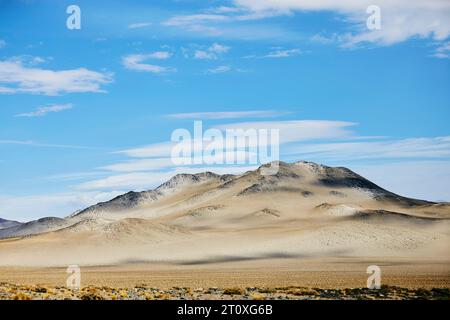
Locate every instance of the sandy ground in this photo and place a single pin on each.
(323, 273)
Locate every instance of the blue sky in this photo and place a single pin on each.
(74, 104)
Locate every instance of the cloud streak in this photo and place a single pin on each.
(218, 70)
(42, 111)
(135, 62)
(226, 115)
(147, 180)
(442, 51)
(401, 20)
(211, 53)
(139, 25)
(429, 148)
(282, 53)
(18, 78)
(39, 144)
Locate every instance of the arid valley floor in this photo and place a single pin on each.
(337, 278)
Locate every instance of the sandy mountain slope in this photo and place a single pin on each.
(305, 210)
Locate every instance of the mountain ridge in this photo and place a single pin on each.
(329, 178)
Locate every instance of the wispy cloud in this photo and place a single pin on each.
(326, 39)
(218, 48)
(220, 69)
(147, 180)
(229, 23)
(283, 53)
(276, 53)
(438, 147)
(160, 55)
(401, 20)
(140, 165)
(139, 25)
(204, 55)
(195, 19)
(42, 111)
(227, 115)
(19, 78)
(29, 60)
(442, 51)
(40, 144)
(162, 149)
(135, 62)
(299, 130)
(212, 52)
(2, 43)
(290, 131)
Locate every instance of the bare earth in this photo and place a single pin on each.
(325, 273)
(336, 278)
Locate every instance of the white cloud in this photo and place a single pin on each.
(20, 142)
(162, 149)
(2, 43)
(442, 51)
(276, 53)
(438, 147)
(224, 9)
(401, 19)
(283, 53)
(40, 144)
(29, 60)
(42, 111)
(140, 165)
(290, 131)
(160, 55)
(134, 62)
(220, 69)
(139, 25)
(199, 22)
(147, 180)
(131, 181)
(21, 79)
(299, 130)
(156, 164)
(194, 19)
(212, 52)
(218, 48)
(326, 39)
(204, 55)
(224, 22)
(73, 176)
(227, 114)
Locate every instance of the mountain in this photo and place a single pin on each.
(8, 223)
(132, 199)
(323, 175)
(32, 227)
(305, 209)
